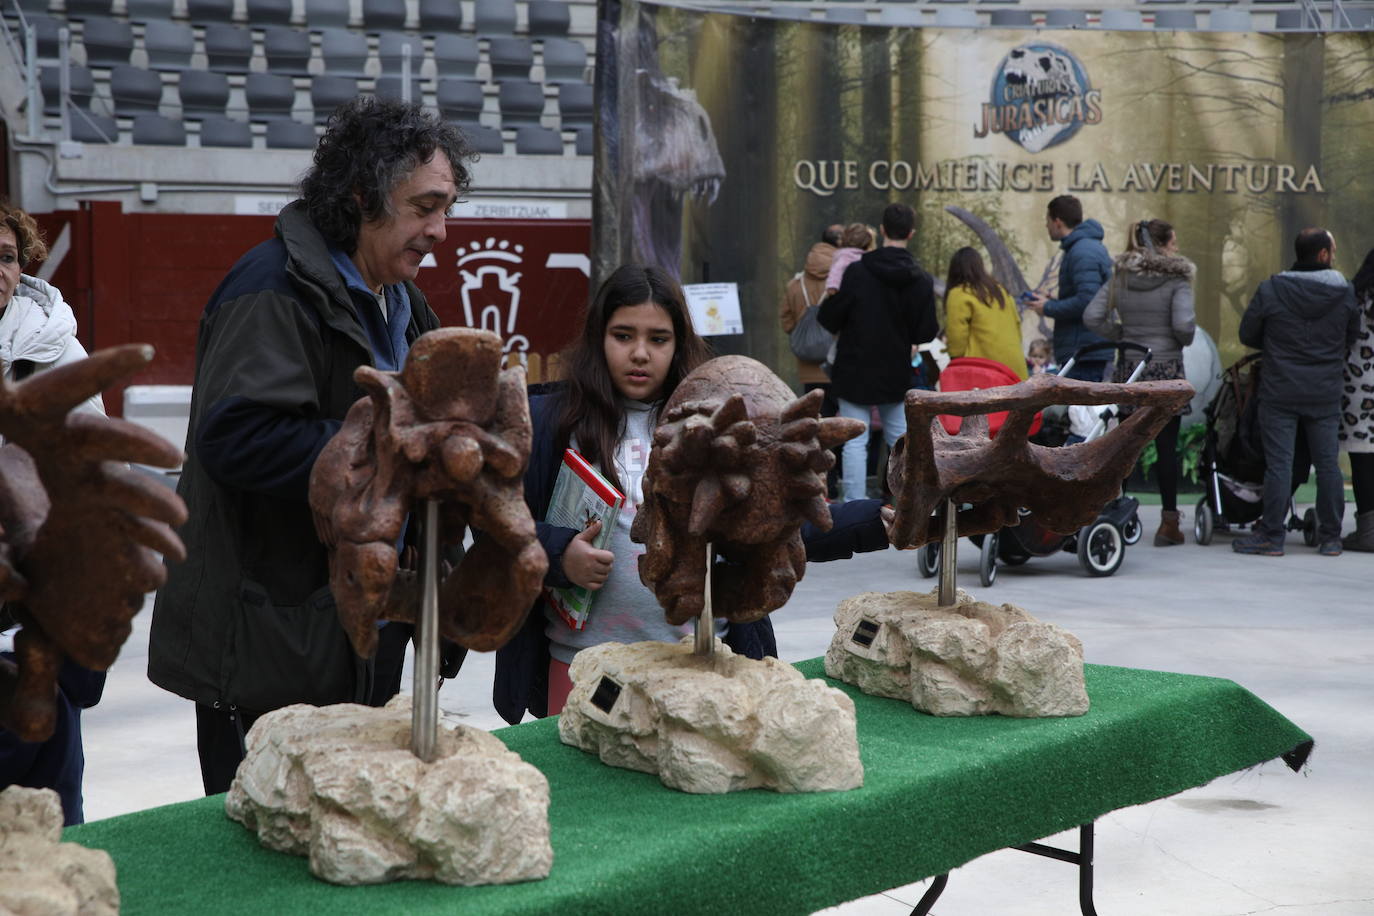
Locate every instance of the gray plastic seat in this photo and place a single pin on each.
(269, 12)
(548, 18)
(389, 51)
(384, 15)
(155, 130)
(228, 47)
(841, 14)
(80, 9)
(94, 128)
(439, 16)
(204, 11)
(1229, 21)
(510, 57)
(390, 87)
(204, 94)
(455, 56)
(521, 103)
(1175, 19)
(538, 141)
(329, 92)
(47, 32)
(585, 142)
(149, 10)
(1066, 19)
(1016, 19)
(287, 50)
(344, 52)
(270, 97)
(900, 16)
(169, 45)
(1119, 19)
(80, 89)
(290, 135)
(1362, 18)
(565, 60)
(485, 140)
(326, 14)
(459, 101)
(803, 13)
(1295, 21)
(226, 132)
(955, 18)
(134, 89)
(576, 105)
(107, 42)
(493, 17)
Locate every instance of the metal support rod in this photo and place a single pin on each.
(949, 549)
(35, 98)
(705, 642)
(424, 710)
(405, 73)
(64, 69)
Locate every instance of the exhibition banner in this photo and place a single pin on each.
(728, 142)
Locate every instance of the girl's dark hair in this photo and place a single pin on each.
(1364, 282)
(591, 409)
(369, 147)
(1156, 230)
(966, 269)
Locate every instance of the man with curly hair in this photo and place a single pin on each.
(247, 623)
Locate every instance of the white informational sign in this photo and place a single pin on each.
(714, 308)
(510, 208)
(260, 204)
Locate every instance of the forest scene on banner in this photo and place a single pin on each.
(740, 139)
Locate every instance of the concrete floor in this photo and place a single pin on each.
(1298, 631)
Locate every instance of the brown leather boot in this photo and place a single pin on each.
(1168, 534)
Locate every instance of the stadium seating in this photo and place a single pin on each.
(440, 16)
(80, 89)
(270, 97)
(565, 60)
(202, 11)
(269, 12)
(384, 15)
(510, 57)
(329, 92)
(456, 56)
(548, 18)
(344, 52)
(326, 14)
(203, 93)
(108, 42)
(228, 48)
(521, 103)
(390, 52)
(134, 90)
(89, 127)
(290, 135)
(484, 139)
(287, 50)
(493, 17)
(576, 107)
(155, 130)
(459, 101)
(538, 141)
(225, 132)
(168, 45)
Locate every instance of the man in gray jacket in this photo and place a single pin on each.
(247, 624)
(1304, 320)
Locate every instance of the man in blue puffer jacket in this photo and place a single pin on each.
(1085, 268)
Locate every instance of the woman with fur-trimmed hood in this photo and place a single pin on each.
(1149, 301)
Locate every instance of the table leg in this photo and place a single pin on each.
(937, 887)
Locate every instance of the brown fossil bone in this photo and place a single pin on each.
(1064, 487)
(452, 426)
(737, 462)
(79, 529)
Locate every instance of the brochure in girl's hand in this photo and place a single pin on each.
(580, 496)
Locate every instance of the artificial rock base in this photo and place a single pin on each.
(971, 659)
(340, 785)
(39, 874)
(711, 725)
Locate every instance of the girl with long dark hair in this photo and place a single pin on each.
(980, 319)
(1149, 301)
(636, 346)
(1357, 412)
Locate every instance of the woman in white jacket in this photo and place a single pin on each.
(37, 328)
(37, 332)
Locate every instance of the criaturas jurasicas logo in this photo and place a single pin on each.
(1040, 97)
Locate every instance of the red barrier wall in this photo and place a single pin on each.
(145, 277)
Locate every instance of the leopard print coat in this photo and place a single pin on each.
(1357, 395)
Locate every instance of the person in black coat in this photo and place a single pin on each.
(883, 310)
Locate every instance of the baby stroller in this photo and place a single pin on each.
(1100, 545)
(1232, 463)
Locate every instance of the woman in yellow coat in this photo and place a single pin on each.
(980, 318)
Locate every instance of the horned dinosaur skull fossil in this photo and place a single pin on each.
(452, 426)
(1065, 487)
(739, 463)
(79, 529)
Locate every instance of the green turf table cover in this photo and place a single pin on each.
(937, 793)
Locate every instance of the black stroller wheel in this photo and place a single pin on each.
(1101, 548)
(987, 560)
(928, 560)
(1132, 530)
(1309, 527)
(1203, 522)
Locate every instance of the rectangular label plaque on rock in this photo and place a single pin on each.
(607, 692)
(865, 632)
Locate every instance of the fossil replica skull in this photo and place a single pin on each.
(452, 426)
(79, 529)
(1065, 487)
(739, 463)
